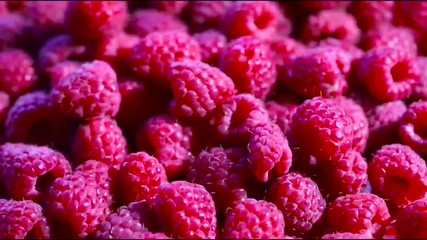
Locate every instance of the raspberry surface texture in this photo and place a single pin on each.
(412, 127)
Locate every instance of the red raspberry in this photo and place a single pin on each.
(348, 235)
(13, 28)
(100, 139)
(420, 90)
(324, 24)
(212, 43)
(5, 102)
(186, 210)
(284, 47)
(60, 70)
(145, 21)
(258, 19)
(281, 114)
(22, 219)
(317, 6)
(354, 52)
(388, 73)
(28, 170)
(357, 213)
(390, 231)
(254, 219)
(17, 74)
(383, 122)
(142, 175)
(168, 141)
(151, 57)
(360, 121)
(319, 71)
(207, 14)
(412, 14)
(322, 128)
(248, 61)
(412, 127)
(90, 91)
(361, 97)
(371, 14)
(409, 223)
(398, 174)
(91, 20)
(300, 201)
(269, 152)
(98, 171)
(198, 89)
(170, 7)
(33, 119)
(220, 171)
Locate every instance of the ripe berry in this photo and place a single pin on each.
(212, 43)
(205, 15)
(420, 90)
(371, 14)
(412, 127)
(60, 70)
(411, 218)
(281, 114)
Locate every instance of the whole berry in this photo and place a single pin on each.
(283, 47)
(206, 14)
(411, 127)
(411, 218)
(212, 43)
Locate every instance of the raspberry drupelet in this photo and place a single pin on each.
(254, 219)
(249, 62)
(410, 222)
(371, 14)
(413, 125)
(92, 90)
(212, 43)
(398, 174)
(97, 170)
(206, 15)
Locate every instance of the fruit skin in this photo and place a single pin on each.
(268, 221)
(187, 210)
(411, 218)
(411, 127)
(398, 174)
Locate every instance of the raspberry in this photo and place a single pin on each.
(198, 89)
(409, 222)
(212, 43)
(317, 6)
(5, 102)
(145, 21)
(390, 231)
(60, 70)
(207, 14)
(151, 57)
(412, 14)
(90, 91)
(321, 128)
(347, 175)
(221, 173)
(76, 204)
(100, 139)
(354, 52)
(28, 170)
(383, 122)
(360, 121)
(258, 19)
(389, 74)
(234, 119)
(281, 114)
(88, 21)
(170, 7)
(370, 14)
(361, 97)
(318, 71)
(254, 219)
(324, 24)
(398, 174)
(412, 127)
(12, 28)
(22, 219)
(149, 235)
(300, 201)
(3, 8)
(284, 47)
(33, 119)
(248, 61)
(420, 90)
(17, 75)
(142, 175)
(168, 141)
(269, 152)
(98, 171)
(186, 210)
(357, 213)
(348, 235)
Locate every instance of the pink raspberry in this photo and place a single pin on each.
(22, 219)
(13, 30)
(411, 14)
(212, 43)
(351, 49)
(348, 235)
(357, 213)
(324, 24)
(300, 201)
(281, 114)
(411, 127)
(27, 171)
(254, 219)
(100, 139)
(258, 19)
(206, 14)
(90, 91)
(168, 141)
(33, 119)
(248, 61)
(5, 104)
(97, 170)
(142, 175)
(361, 97)
(89, 21)
(284, 47)
(60, 70)
(321, 128)
(319, 71)
(317, 6)
(170, 7)
(389, 74)
(17, 74)
(269, 152)
(145, 21)
(186, 210)
(151, 57)
(420, 90)
(371, 14)
(198, 89)
(412, 217)
(398, 174)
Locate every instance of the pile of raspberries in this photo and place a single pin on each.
(213, 119)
